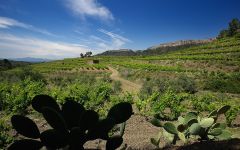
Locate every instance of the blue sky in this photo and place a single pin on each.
(65, 28)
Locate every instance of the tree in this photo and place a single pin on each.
(233, 29)
(81, 55)
(234, 25)
(88, 54)
(7, 63)
(224, 33)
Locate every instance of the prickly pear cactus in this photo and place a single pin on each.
(72, 125)
(208, 129)
(193, 125)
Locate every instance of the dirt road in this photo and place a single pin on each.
(127, 86)
(138, 131)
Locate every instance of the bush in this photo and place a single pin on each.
(145, 105)
(222, 82)
(232, 114)
(178, 85)
(17, 96)
(165, 105)
(185, 84)
(169, 100)
(5, 139)
(117, 87)
(206, 102)
(27, 72)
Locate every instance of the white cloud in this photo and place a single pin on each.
(15, 46)
(116, 41)
(114, 35)
(8, 23)
(89, 8)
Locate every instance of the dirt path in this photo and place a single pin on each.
(127, 85)
(138, 131)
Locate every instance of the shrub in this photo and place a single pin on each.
(117, 87)
(169, 100)
(145, 106)
(99, 94)
(178, 85)
(165, 105)
(186, 85)
(218, 81)
(27, 72)
(17, 96)
(5, 139)
(232, 114)
(206, 102)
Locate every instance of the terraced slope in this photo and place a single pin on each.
(221, 55)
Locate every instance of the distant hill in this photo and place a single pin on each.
(6, 64)
(173, 46)
(158, 49)
(30, 59)
(121, 52)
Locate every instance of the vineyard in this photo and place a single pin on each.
(200, 83)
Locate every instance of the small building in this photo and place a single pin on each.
(94, 61)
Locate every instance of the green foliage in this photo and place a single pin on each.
(6, 64)
(145, 105)
(192, 125)
(207, 128)
(234, 25)
(19, 74)
(183, 84)
(64, 79)
(17, 96)
(169, 106)
(5, 139)
(222, 82)
(205, 102)
(232, 114)
(166, 105)
(180, 84)
(151, 67)
(27, 72)
(72, 126)
(232, 30)
(223, 34)
(100, 94)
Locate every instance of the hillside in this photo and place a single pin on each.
(121, 52)
(9, 64)
(217, 55)
(216, 63)
(156, 50)
(198, 78)
(174, 46)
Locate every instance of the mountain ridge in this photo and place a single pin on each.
(31, 59)
(158, 49)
